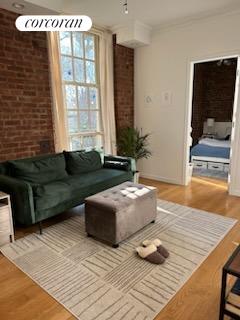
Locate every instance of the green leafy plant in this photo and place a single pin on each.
(132, 144)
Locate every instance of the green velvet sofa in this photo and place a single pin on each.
(44, 186)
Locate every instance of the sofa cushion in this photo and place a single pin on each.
(40, 171)
(50, 195)
(82, 162)
(77, 187)
(4, 168)
(120, 165)
(94, 182)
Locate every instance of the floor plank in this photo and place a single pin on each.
(22, 299)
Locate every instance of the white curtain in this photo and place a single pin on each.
(107, 91)
(60, 130)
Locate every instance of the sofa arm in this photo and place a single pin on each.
(130, 161)
(21, 199)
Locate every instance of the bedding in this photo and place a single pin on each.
(215, 142)
(203, 150)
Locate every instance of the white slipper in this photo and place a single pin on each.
(160, 248)
(150, 254)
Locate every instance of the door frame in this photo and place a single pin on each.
(235, 137)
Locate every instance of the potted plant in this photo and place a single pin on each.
(131, 143)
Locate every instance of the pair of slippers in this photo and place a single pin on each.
(153, 251)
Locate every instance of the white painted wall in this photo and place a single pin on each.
(163, 68)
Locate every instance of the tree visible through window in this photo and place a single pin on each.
(79, 61)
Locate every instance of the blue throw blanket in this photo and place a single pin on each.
(202, 150)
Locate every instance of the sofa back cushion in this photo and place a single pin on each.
(4, 168)
(40, 171)
(78, 162)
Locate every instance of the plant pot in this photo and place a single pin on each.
(136, 177)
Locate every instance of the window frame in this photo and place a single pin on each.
(76, 84)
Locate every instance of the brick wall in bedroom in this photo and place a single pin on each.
(220, 89)
(214, 88)
(123, 85)
(26, 126)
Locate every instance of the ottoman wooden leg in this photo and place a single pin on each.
(115, 246)
(153, 221)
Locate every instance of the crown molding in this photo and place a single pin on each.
(199, 18)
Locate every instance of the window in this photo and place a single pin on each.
(79, 64)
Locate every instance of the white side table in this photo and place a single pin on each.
(6, 221)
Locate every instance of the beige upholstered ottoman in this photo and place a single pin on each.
(117, 213)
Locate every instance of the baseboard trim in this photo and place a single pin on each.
(159, 178)
(235, 192)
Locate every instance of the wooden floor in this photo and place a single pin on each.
(22, 299)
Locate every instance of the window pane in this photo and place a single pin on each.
(99, 142)
(65, 43)
(75, 143)
(84, 126)
(81, 92)
(94, 120)
(93, 98)
(79, 70)
(72, 121)
(78, 44)
(71, 97)
(82, 98)
(67, 72)
(92, 142)
(89, 47)
(89, 141)
(90, 72)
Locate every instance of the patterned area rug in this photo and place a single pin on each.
(94, 281)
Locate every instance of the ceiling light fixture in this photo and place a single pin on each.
(125, 6)
(18, 6)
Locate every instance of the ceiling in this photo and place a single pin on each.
(29, 8)
(109, 13)
(151, 12)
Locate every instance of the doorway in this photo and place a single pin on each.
(212, 109)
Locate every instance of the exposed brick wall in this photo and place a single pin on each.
(198, 103)
(213, 97)
(123, 85)
(25, 97)
(220, 88)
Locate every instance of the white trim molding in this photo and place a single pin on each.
(194, 19)
(159, 178)
(188, 117)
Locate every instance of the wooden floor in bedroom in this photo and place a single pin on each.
(22, 299)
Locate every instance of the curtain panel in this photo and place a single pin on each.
(59, 116)
(107, 92)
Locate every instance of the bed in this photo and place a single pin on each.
(211, 154)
